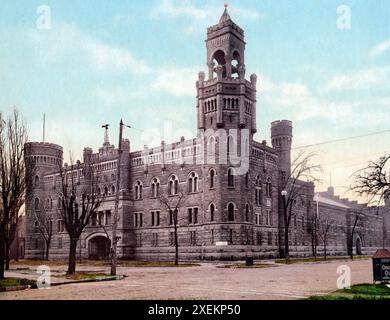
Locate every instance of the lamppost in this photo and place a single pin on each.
(316, 222)
(284, 194)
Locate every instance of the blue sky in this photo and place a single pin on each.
(139, 60)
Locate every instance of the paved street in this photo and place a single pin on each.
(208, 282)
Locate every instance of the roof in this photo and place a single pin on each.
(331, 202)
(225, 16)
(382, 254)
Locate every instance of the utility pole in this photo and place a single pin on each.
(114, 240)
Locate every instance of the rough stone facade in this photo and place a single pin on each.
(229, 181)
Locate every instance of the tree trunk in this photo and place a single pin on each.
(325, 253)
(2, 254)
(72, 256)
(286, 245)
(47, 249)
(7, 256)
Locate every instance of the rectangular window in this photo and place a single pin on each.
(61, 226)
(270, 238)
(196, 215)
(212, 236)
(231, 236)
(269, 218)
(135, 220)
(190, 215)
(36, 243)
(171, 219)
(259, 238)
(139, 240)
(108, 218)
(152, 214)
(258, 219)
(157, 218)
(154, 239)
(171, 239)
(140, 219)
(59, 243)
(193, 238)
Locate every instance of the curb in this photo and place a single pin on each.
(10, 289)
(114, 278)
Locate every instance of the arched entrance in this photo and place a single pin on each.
(358, 246)
(99, 248)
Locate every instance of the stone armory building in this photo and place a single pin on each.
(229, 183)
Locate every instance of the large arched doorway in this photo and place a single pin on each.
(358, 246)
(99, 248)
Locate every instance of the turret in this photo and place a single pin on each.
(282, 135)
(41, 159)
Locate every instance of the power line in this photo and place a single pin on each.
(341, 140)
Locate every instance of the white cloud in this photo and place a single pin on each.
(380, 49)
(199, 17)
(67, 42)
(372, 78)
(176, 81)
(173, 8)
(298, 102)
(116, 96)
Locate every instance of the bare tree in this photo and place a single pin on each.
(324, 226)
(350, 230)
(44, 224)
(373, 183)
(173, 208)
(292, 187)
(13, 136)
(79, 204)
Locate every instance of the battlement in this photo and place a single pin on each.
(225, 24)
(43, 149)
(282, 128)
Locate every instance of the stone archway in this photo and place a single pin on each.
(358, 246)
(99, 248)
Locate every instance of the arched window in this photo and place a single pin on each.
(247, 212)
(219, 61)
(269, 188)
(247, 180)
(105, 190)
(173, 186)
(36, 181)
(155, 188)
(49, 203)
(60, 199)
(231, 178)
(211, 146)
(231, 209)
(138, 190)
(113, 189)
(259, 191)
(212, 178)
(230, 145)
(193, 183)
(212, 212)
(36, 204)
